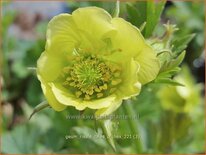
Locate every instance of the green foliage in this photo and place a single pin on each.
(190, 17)
(179, 44)
(107, 127)
(172, 127)
(107, 6)
(34, 87)
(23, 139)
(171, 53)
(169, 69)
(145, 11)
(99, 143)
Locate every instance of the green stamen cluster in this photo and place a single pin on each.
(90, 77)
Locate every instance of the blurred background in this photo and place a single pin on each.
(166, 128)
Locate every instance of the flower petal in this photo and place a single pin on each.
(62, 34)
(128, 38)
(49, 66)
(107, 111)
(95, 21)
(50, 96)
(134, 45)
(130, 85)
(149, 65)
(97, 104)
(70, 100)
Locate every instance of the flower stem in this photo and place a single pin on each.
(133, 123)
(39, 107)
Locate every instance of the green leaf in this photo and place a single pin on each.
(174, 127)
(136, 13)
(148, 12)
(150, 18)
(168, 81)
(154, 10)
(107, 128)
(22, 140)
(88, 132)
(176, 62)
(133, 15)
(169, 73)
(173, 63)
(159, 8)
(169, 69)
(34, 88)
(52, 136)
(180, 44)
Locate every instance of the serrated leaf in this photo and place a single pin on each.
(21, 140)
(181, 43)
(169, 73)
(176, 62)
(173, 63)
(168, 81)
(88, 132)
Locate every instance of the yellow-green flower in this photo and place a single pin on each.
(92, 60)
(181, 98)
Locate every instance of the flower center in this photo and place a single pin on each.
(91, 77)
